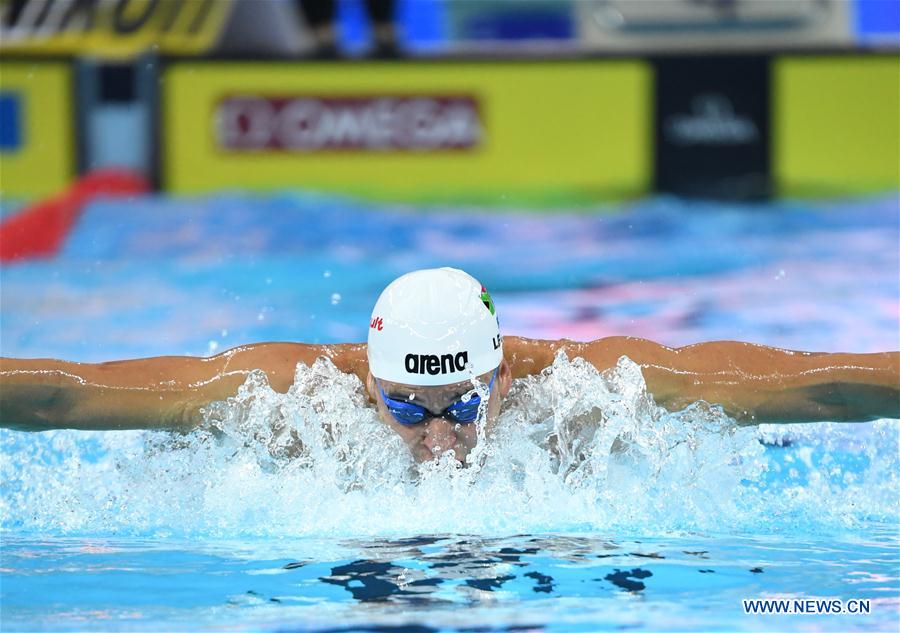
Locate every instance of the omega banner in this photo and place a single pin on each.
(750, 126)
(413, 130)
(378, 123)
(712, 126)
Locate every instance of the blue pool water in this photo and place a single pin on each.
(299, 511)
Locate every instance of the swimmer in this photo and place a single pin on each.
(435, 357)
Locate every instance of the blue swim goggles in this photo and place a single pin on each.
(407, 413)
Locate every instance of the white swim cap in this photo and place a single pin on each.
(434, 327)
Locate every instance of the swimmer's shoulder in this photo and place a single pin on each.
(279, 360)
(529, 356)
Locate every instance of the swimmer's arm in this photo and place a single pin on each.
(166, 392)
(754, 384)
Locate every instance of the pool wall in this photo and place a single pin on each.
(737, 125)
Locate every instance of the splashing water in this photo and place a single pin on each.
(573, 450)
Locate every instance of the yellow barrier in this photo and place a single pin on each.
(491, 128)
(124, 28)
(37, 154)
(836, 125)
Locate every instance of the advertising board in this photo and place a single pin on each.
(37, 149)
(414, 130)
(836, 124)
(712, 126)
(114, 28)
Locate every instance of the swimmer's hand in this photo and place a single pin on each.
(166, 392)
(754, 384)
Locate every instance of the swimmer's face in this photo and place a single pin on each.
(435, 435)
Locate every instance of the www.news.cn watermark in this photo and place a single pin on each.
(814, 606)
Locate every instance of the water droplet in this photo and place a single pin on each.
(335, 298)
(326, 274)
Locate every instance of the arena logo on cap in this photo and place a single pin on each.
(348, 123)
(433, 365)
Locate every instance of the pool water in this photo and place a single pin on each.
(590, 508)
(579, 581)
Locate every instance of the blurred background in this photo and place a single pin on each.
(182, 176)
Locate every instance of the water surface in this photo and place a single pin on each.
(589, 507)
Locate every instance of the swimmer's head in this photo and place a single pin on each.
(432, 334)
(434, 327)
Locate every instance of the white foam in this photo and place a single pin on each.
(573, 450)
